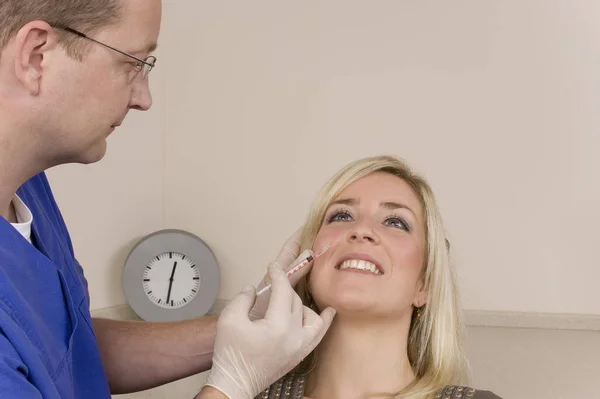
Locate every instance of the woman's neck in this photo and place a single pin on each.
(361, 358)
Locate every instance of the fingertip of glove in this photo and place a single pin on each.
(248, 289)
(304, 255)
(214, 387)
(275, 267)
(329, 314)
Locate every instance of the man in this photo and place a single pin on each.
(69, 73)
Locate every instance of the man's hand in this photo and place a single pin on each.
(250, 355)
(287, 259)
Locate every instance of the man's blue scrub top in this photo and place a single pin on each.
(48, 348)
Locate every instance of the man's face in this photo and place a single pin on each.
(84, 101)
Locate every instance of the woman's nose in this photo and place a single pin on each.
(362, 231)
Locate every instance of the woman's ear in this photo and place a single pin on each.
(421, 296)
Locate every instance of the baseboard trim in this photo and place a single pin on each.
(545, 321)
(125, 312)
(118, 312)
(474, 318)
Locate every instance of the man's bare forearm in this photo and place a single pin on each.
(142, 355)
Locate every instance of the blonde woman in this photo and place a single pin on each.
(398, 332)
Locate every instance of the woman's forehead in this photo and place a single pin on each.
(381, 187)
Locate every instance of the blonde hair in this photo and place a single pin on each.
(435, 344)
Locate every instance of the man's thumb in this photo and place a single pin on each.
(316, 326)
(327, 316)
(240, 306)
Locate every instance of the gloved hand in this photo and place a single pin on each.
(251, 355)
(287, 259)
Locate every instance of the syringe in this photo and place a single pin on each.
(299, 266)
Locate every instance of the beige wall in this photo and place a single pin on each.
(525, 363)
(258, 103)
(495, 102)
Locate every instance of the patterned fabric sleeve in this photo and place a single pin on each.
(292, 387)
(289, 387)
(459, 392)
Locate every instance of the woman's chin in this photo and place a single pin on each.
(361, 308)
(358, 307)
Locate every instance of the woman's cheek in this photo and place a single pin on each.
(318, 281)
(320, 242)
(315, 272)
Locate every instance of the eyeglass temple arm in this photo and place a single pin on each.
(102, 44)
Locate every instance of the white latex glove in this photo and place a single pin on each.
(288, 258)
(251, 355)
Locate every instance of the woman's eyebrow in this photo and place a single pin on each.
(345, 201)
(386, 204)
(396, 205)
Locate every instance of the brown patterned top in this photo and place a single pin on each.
(291, 386)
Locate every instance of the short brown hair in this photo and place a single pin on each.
(83, 15)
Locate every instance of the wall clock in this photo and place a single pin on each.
(171, 275)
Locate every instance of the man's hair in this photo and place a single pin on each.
(85, 16)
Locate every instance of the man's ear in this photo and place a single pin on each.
(31, 45)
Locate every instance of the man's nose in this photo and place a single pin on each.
(141, 98)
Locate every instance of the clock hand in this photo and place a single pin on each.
(171, 282)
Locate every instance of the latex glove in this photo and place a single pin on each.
(251, 355)
(288, 258)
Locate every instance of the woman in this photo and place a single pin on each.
(398, 332)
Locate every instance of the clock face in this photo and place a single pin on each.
(171, 280)
(171, 275)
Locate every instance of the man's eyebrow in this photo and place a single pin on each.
(150, 49)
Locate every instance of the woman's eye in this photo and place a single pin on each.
(397, 222)
(339, 217)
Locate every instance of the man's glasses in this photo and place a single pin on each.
(142, 65)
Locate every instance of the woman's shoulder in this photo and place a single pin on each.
(291, 386)
(461, 392)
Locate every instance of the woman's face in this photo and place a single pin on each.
(376, 228)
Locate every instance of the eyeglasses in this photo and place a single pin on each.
(142, 65)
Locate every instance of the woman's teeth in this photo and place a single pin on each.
(360, 265)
